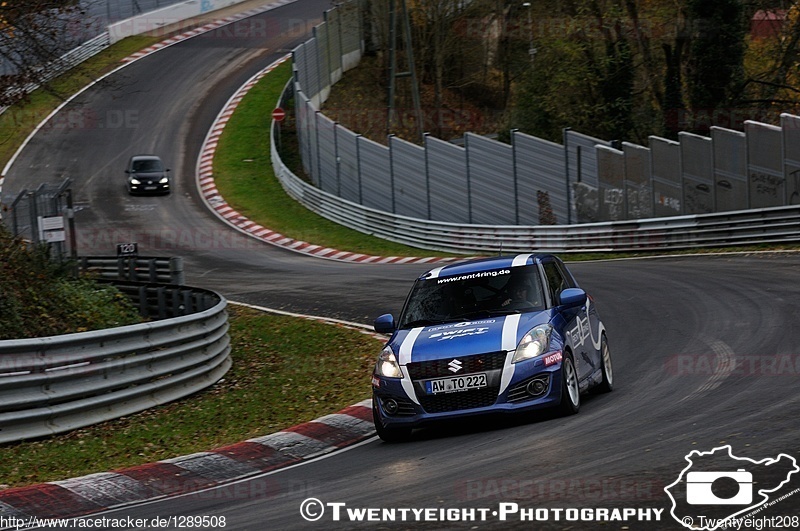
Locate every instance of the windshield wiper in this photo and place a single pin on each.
(504, 312)
(424, 322)
(488, 313)
(477, 313)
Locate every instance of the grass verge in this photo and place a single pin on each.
(285, 371)
(243, 175)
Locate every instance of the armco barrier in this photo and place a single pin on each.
(159, 301)
(55, 384)
(136, 268)
(745, 227)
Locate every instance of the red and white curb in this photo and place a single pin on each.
(190, 473)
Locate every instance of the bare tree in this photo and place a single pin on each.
(437, 43)
(33, 34)
(773, 83)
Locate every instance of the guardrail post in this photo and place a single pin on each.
(176, 302)
(121, 269)
(152, 270)
(176, 270)
(143, 301)
(187, 302)
(162, 302)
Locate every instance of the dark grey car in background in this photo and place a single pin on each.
(147, 175)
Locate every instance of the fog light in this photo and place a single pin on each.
(390, 406)
(536, 388)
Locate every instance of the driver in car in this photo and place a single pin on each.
(518, 294)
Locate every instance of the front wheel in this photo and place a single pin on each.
(390, 435)
(570, 392)
(607, 383)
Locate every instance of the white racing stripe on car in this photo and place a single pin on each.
(595, 342)
(408, 385)
(434, 273)
(508, 343)
(404, 358)
(508, 340)
(520, 260)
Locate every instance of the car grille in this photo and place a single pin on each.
(423, 370)
(458, 401)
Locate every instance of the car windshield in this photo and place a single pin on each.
(147, 165)
(473, 296)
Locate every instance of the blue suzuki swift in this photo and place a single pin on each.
(502, 334)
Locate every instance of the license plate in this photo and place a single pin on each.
(150, 187)
(454, 384)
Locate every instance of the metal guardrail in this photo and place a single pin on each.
(55, 384)
(135, 268)
(745, 227)
(67, 61)
(160, 301)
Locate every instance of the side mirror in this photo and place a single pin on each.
(384, 324)
(573, 297)
(127, 171)
(167, 169)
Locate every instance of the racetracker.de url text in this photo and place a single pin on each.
(104, 522)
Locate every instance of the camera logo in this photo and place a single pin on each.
(700, 488)
(716, 488)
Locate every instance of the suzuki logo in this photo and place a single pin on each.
(454, 365)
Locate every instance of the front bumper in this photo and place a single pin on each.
(149, 188)
(533, 386)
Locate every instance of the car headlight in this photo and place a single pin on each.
(135, 181)
(534, 343)
(387, 365)
(164, 180)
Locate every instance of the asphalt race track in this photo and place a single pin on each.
(705, 348)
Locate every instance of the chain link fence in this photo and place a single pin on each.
(44, 216)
